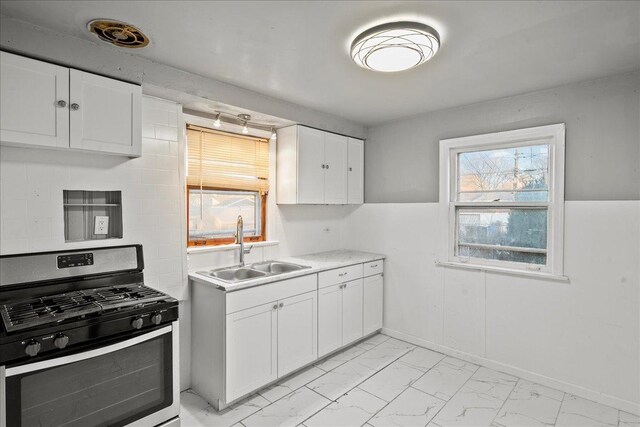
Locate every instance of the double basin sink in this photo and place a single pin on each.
(253, 271)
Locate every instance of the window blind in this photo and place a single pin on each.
(226, 161)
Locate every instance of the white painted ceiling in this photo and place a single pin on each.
(298, 51)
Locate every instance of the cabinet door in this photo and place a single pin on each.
(251, 349)
(335, 176)
(351, 311)
(373, 290)
(30, 92)
(329, 319)
(310, 165)
(297, 332)
(355, 174)
(108, 114)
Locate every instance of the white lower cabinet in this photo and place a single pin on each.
(339, 315)
(373, 293)
(252, 349)
(352, 311)
(297, 332)
(246, 339)
(329, 319)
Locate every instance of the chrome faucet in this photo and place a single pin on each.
(240, 239)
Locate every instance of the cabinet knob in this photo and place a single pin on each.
(322, 166)
(350, 169)
(327, 166)
(281, 305)
(62, 103)
(275, 306)
(75, 107)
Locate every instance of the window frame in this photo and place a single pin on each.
(551, 135)
(228, 240)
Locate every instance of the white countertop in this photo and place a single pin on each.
(317, 262)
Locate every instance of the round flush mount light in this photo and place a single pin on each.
(118, 33)
(395, 46)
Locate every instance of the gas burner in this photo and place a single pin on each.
(23, 314)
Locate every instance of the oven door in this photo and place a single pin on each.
(132, 382)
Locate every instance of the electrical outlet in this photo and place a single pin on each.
(101, 225)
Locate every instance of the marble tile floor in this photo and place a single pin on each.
(384, 382)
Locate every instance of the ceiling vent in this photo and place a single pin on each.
(118, 33)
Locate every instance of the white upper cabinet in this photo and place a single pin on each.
(105, 114)
(355, 173)
(34, 97)
(335, 175)
(46, 105)
(313, 167)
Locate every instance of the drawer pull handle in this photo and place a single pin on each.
(342, 274)
(373, 266)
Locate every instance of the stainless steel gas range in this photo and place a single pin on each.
(84, 343)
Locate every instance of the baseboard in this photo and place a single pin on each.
(605, 399)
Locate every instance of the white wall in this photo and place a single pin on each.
(582, 336)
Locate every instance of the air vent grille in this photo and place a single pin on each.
(118, 33)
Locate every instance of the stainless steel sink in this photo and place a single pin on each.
(276, 267)
(254, 271)
(235, 274)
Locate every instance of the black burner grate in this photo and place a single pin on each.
(25, 314)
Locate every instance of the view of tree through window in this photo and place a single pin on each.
(516, 177)
(213, 214)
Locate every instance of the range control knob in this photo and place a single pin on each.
(61, 341)
(136, 323)
(156, 318)
(32, 348)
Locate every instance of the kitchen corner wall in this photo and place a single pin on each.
(582, 336)
(32, 182)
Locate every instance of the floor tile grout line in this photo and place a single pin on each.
(555, 420)
(403, 391)
(505, 402)
(319, 410)
(365, 379)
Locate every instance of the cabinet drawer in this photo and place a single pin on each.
(270, 292)
(373, 267)
(339, 275)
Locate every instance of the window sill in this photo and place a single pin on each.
(230, 247)
(491, 269)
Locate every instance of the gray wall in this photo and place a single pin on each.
(156, 79)
(602, 140)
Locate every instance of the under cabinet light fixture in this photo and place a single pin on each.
(395, 46)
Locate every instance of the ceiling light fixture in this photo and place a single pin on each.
(395, 46)
(273, 134)
(217, 123)
(244, 118)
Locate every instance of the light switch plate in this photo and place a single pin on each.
(101, 225)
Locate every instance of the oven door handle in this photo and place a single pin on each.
(51, 363)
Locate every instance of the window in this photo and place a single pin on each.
(502, 196)
(227, 176)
